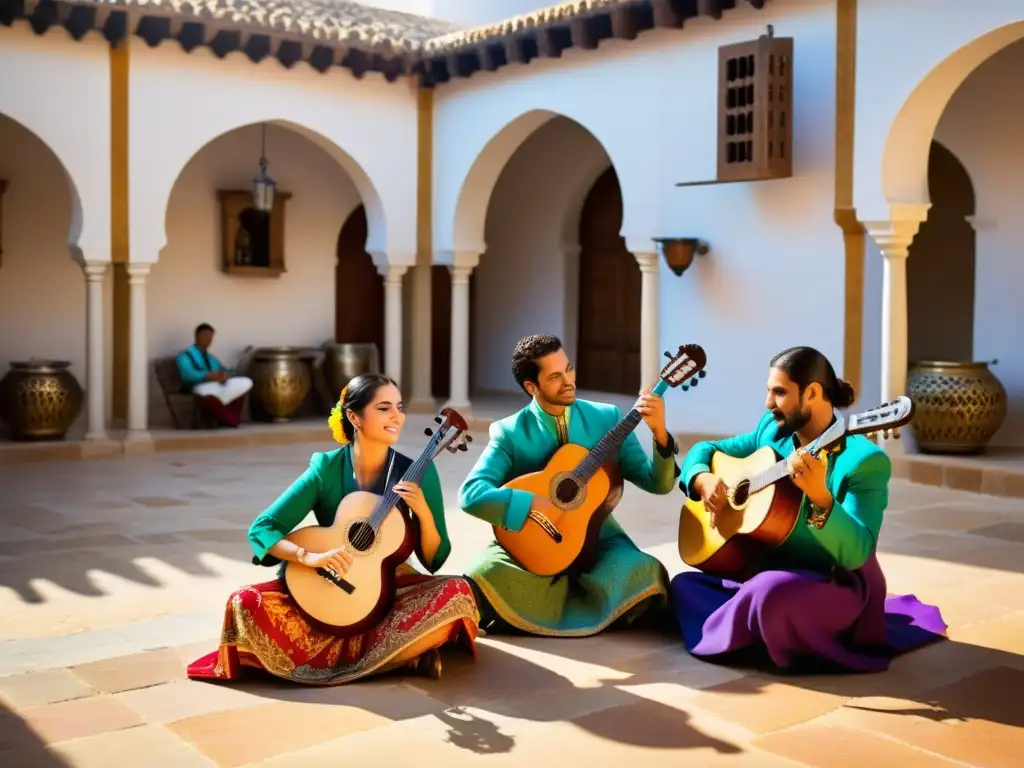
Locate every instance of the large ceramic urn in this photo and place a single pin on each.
(40, 399)
(958, 406)
(343, 362)
(281, 380)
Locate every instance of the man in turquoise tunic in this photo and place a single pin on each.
(818, 601)
(624, 582)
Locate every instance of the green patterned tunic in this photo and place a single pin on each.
(623, 580)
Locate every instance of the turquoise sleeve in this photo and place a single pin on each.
(481, 494)
(281, 517)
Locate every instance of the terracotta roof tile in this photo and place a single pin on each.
(323, 21)
(539, 18)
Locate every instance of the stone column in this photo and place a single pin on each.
(650, 318)
(95, 271)
(460, 351)
(138, 357)
(894, 238)
(393, 321)
(422, 335)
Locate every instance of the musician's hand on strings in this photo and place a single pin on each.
(714, 493)
(808, 475)
(337, 560)
(652, 408)
(412, 495)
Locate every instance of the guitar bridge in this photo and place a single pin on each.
(337, 581)
(546, 526)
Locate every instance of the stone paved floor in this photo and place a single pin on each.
(113, 575)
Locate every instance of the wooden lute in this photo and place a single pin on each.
(585, 485)
(378, 535)
(765, 502)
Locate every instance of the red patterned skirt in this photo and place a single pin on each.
(263, 629)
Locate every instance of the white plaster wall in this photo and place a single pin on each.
(651, 104)
(42, 289)
(982, 126)
(533, 236)
(893, 64)
(187, 286)
(61, 92)
(180, 102)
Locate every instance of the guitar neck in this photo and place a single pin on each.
(414, 474)
(608, 444)
(780, 469)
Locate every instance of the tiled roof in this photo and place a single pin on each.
(552, 14)
(320, 21)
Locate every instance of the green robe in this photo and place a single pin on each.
(623, 579)
(321, 488)
(857, 477)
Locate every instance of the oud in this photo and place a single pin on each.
(585, 486)
(377, 534)
(765, 504)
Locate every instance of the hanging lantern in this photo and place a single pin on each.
(263, 187)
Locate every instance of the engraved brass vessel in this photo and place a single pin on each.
(281, 381)
(40, 400)
(958, 406)
(343, 362)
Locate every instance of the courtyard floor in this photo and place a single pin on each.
(114, 573)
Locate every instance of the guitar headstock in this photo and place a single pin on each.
(884, 420)
(685, 364)
(452, 432)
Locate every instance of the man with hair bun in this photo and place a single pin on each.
(818, 601)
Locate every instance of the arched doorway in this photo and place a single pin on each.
(359, 288)
(608, 356)
(940, 269)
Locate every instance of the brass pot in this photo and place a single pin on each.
(343, 362)
(40, 400)
(281, 382)
(958, 406)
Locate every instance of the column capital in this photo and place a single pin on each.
(459, 258)
(893, 237)
(137, 272)
(460, 273)
(648, 260)
(392, 273)
(95, 270)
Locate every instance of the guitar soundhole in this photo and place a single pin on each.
(566, 491)
(742, 493)
(361, 536)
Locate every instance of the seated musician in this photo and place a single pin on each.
(262, 625)
(221, 393)
(624, 582)
(818, 601)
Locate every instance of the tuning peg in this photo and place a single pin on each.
(438, 419)
(685, 387)
(694, 382)
(469, 438)
(463, 447)
(451, 448)
(702, 374)
(896, 433)
(428, 432)
(667, 354)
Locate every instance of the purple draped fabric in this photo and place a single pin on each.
(843, 621)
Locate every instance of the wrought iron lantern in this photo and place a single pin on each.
(263, 187)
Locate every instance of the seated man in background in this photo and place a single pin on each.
(220, 393)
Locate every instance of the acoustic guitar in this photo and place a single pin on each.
(585, 485)
(764, 500)
(378, 534)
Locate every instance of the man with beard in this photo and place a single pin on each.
(624, 582)
(818, 601)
